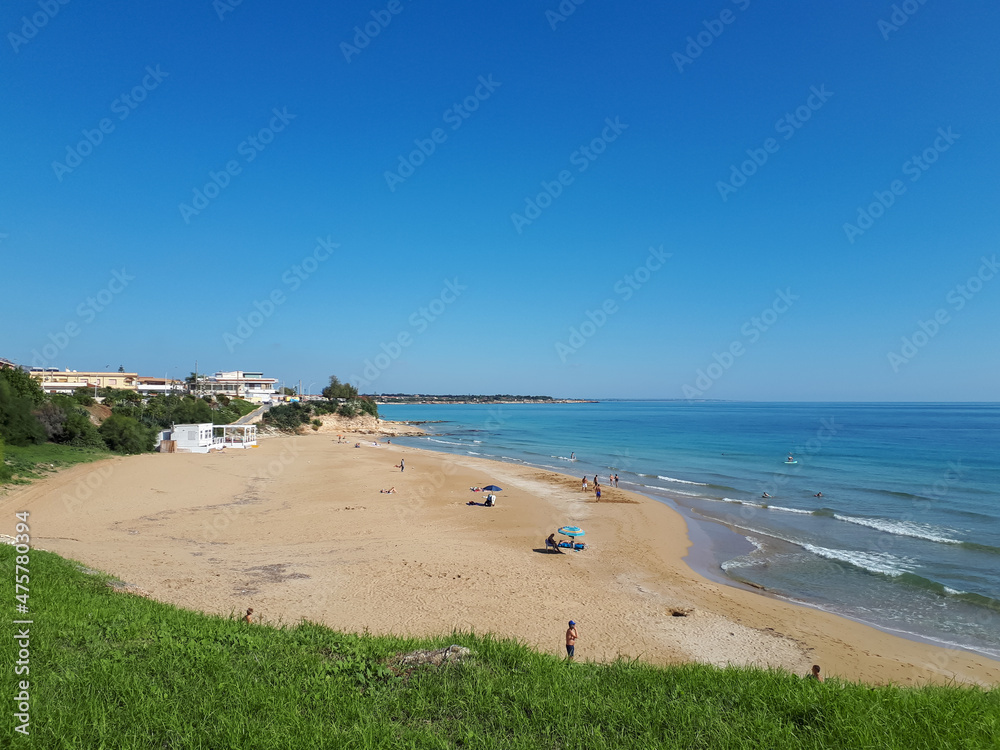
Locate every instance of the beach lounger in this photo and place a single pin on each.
(550, 545)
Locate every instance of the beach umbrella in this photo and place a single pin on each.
(492, 488)
(573, 531)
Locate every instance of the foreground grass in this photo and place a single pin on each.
(34, 461)
(112, 670)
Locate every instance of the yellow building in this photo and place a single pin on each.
(67, 381)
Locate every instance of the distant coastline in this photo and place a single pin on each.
(415, 399)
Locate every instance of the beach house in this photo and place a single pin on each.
(205, 436)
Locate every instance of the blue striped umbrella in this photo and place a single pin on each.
(573, 531)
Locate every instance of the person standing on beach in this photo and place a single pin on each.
(585, 484)
(571, 636)
(597, 491)
(616, 480)
(401, 465)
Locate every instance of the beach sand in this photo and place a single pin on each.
(297, 528)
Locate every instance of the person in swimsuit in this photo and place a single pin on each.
(571, 636)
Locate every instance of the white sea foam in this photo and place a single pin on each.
(742, 502)
(679, 481)
(446, 442)
(875, 562)
(680, 492)
(789, 510)
(900, 528)
(739, 562)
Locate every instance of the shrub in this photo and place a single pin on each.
(5, 471)
(18, 426)
(22, 385)
(52, 418)
(288, 417)
(125, 435)
(84, 396)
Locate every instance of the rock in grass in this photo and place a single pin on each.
(434, 658)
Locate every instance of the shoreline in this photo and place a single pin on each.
(319, 541)
(701, 561)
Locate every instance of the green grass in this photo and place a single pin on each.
(34, 461)
(112, 670)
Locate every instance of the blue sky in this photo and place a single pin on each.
(704, 161)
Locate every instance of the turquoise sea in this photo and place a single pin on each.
(906, 535)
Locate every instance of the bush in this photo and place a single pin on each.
(84, 397)
(6, 473)
(288, 417)
(18, 426)
(52, 418)
(125, 435)
(22, 385)
(368, 406)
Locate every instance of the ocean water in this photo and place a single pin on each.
(906, 535)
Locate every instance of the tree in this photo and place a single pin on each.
(287, 391)
(336, 389)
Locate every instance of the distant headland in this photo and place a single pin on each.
(423, 398)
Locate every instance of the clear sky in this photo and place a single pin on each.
(600, 199)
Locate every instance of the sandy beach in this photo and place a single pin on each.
(298, 528)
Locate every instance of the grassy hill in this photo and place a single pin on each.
(115, 670)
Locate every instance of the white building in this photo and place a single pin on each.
(252, 386)
(205, 437)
